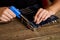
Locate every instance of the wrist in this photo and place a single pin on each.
(53, 9)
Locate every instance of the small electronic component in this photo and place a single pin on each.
(27, 16)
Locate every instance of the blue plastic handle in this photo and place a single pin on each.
(16, 12)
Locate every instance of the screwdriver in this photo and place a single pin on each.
(18, 14)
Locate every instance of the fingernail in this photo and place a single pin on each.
(15, 16)
(37, 23)
(43, 20)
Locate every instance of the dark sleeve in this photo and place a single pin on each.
(6, 3)
(18, 3)
(25, 3)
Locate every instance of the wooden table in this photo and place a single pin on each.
(17, 31)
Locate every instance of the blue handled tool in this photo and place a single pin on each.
(19, 15)
(16, 11)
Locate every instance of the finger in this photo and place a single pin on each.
(39, 19)
(42, 19)
(8, 15)
(37, 14)
(11, 13)
(3, 19)
(46, 17)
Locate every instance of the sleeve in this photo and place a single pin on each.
(6, 3)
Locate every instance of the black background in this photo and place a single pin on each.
(19, 3)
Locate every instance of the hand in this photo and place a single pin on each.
(42, 15)
(6, 14)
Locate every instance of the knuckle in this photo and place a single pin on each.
(3, 11)
(40, 9)
(6, 8)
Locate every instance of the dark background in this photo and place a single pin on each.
(19, 3)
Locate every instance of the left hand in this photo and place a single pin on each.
(42, 15)
(6, 15)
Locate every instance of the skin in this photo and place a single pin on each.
(43, 14)
(6, 14)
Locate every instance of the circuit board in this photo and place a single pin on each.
(29, 14)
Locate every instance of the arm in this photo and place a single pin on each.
(55, 7)
(43, 14)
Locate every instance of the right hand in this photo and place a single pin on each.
(6, 14)
(42, 15)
